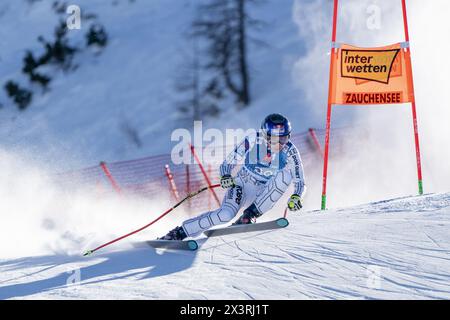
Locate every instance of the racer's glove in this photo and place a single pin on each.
(227, 181)
(295, 203)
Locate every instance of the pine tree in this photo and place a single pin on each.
(200, 97)
(96, 36)
(22, 97)
(223, 24)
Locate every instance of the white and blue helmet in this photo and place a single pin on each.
(276, 125)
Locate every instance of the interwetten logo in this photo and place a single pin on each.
(372, 65)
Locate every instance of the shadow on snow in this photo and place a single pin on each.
(147, 262)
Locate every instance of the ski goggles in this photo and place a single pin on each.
(278, 139)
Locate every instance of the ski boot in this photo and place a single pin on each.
(249, 216)
(175, 234)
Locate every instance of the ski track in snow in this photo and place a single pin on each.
(396, 249)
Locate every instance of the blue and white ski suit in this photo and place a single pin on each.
(264, 177)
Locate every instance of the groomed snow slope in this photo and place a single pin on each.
(396, 249)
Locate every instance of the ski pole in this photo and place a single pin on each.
(189, 196)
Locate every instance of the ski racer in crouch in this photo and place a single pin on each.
(270, 163)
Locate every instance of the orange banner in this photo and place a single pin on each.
(371, 75)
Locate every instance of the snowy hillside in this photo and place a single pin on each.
(395, 249)
(86, 116)
(81, 120)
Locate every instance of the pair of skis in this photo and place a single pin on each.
(193, 245)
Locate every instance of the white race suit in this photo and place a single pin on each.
(262, 180)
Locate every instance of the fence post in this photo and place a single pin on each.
(188, 186)
(110, 177)
(99, 190)
(205, 175)
(172, 184)
(210, 196)
(312, 132)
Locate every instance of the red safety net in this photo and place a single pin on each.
(147, 178)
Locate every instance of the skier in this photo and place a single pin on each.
(270, 163)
